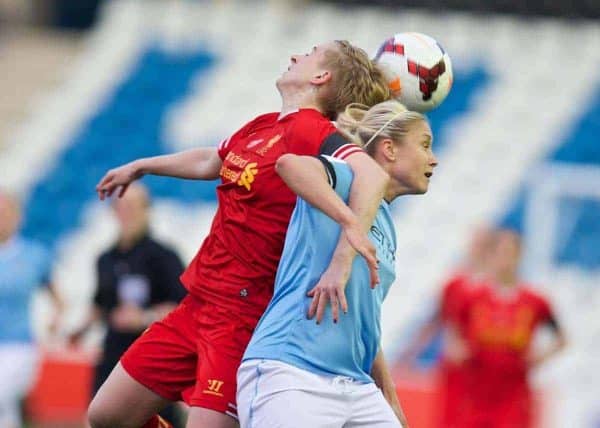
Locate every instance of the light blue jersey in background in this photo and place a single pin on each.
(347, 348)
(24, 266)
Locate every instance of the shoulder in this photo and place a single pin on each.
(263, 119)
(529, 293)
(162, 255)
(258, 122)
(162, 248)
(338, 171)
(456, 281)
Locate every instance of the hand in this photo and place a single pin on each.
(330, 288)
(360, 241)
(120, 177)
(127, 318)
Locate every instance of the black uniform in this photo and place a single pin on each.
(145, 275)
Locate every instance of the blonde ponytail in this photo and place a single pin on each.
(365, 126)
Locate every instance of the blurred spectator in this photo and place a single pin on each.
(137, 284)
(472, 271)
(24, 266)
(499, 322)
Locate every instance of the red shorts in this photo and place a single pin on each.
(499, 405)
(192, 355)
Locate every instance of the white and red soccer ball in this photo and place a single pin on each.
(418, 70)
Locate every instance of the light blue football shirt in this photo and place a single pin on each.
(24, 266)
(347, 348)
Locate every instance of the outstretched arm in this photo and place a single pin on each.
(195, 164)
(383, 379)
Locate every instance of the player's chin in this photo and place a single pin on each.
(421, 187)
(285, 77)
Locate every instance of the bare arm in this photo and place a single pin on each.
(383, 379)
(195, 164)
(366, 193)
(306, 176)
(59, 307)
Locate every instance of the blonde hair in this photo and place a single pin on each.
(355, 79)
(366, 126)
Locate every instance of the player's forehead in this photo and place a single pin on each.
(324, 47)
(420, 130)
(422, 127)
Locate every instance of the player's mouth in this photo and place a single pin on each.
(428, 174)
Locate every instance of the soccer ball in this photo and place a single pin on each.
(418, 70)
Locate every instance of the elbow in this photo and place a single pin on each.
(283, 163)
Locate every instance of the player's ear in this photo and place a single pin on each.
(389, 149)
(321, 78)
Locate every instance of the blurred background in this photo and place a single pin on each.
(90, 84)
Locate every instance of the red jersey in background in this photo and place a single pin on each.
(453, 294)
(499, 326)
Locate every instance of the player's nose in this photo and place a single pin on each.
(433, 162)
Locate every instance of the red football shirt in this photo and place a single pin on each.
(500, 329)
(236, 264)
(453, 294)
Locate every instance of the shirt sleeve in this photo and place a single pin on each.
(337, 146)
(547, 315)
(329, 169)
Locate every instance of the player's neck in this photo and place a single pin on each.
(507, 280)
(394, 189)
(297, 100)
(128, 240)
(390, 194)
